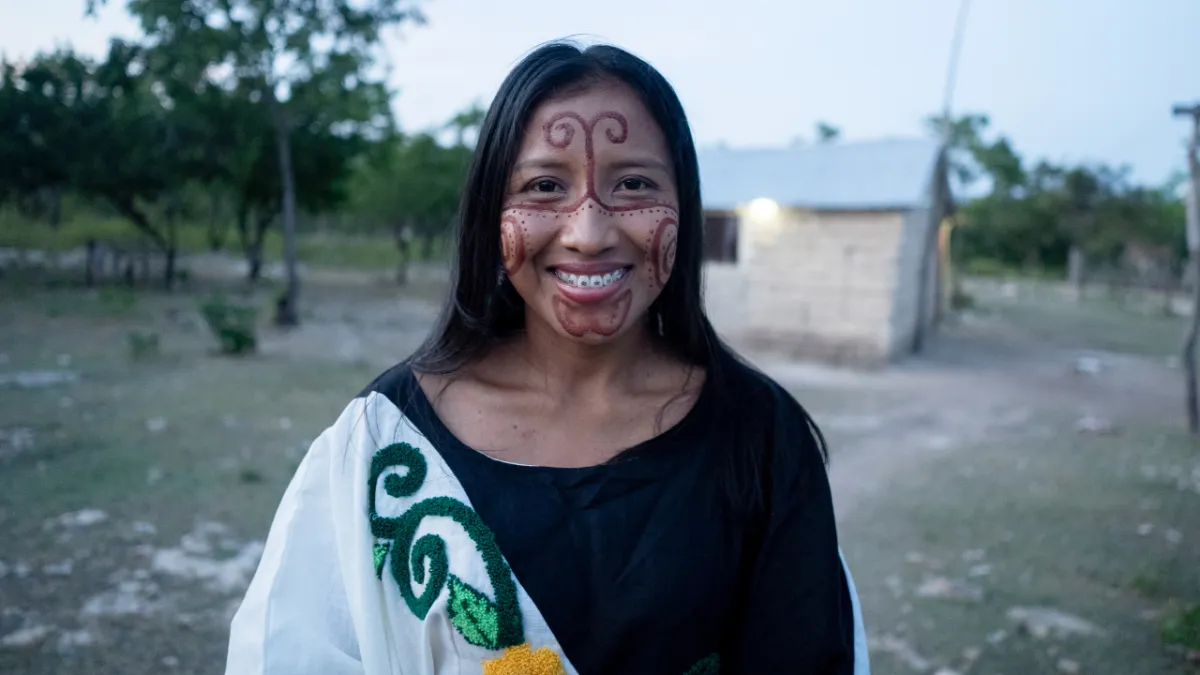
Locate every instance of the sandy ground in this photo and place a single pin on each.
(1019, 499)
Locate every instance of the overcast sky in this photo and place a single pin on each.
(1066, 80)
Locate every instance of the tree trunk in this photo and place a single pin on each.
(169, 268)
(218, 227)
(1192, 207)
(1189, 354)
(287, 313)
(54, 207)
(1076, 264)
(173, 209)
(166, 244)
(250, 243)
(254, 246)
(89, 265)
(1170, 287)
(404, 249)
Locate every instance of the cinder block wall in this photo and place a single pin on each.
(813, 285)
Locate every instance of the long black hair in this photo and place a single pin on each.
(481, 311)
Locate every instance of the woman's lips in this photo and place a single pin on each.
(593, 282)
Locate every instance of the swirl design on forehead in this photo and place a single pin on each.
(559, 132)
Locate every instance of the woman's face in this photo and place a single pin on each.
(590, 219)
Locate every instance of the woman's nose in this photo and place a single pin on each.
(590, 229)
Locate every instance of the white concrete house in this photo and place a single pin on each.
(826, 252)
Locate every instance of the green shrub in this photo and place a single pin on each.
(986, 267)
(234, 325)
(960, 299)
(1183, 629)
(142, 346)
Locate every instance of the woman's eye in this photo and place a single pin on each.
(634, 184)
(544, 185)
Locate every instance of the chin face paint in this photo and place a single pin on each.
(590, 226)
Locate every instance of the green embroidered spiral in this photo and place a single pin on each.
(408, 564)
(482, 622)
(395, 455)
(709, 665)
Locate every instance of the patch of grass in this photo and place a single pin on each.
(1042, 311)
(321, 249)
(1148, 584)
(1183, 629)
(251, 476)
(352, 252)
(117, 303)
(987, 267)
(1057, 519)
(143, 345)
(19, 232)
(117, 300)
(235, 325)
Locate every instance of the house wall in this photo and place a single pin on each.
(817, 285)
(725, 286)
(906, 303)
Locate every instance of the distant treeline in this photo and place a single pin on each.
(97, 140)
(183, 139)
(1040, 217)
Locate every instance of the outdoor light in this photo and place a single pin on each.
(762, 209)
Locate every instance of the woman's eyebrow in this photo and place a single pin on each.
(638, 163)
(542, 164)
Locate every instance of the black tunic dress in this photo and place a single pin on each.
(646, 564)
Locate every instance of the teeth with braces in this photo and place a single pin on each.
(590, 280)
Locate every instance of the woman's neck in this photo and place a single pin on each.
(569, 368)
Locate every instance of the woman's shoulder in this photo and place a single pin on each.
(397, 384)
(760, 393)
(780, 431)
(381, 410)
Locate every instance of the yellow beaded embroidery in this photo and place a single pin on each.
(521, 660)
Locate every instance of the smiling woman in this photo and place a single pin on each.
(592, 225)
(574, 474)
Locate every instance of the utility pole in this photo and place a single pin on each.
(931, 260)
(1193, 242)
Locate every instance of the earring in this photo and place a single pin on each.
(660, 324)
(501, 275)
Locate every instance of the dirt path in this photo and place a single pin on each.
(966, 461)
(978, 383)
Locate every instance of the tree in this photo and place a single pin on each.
(827, 133)
(467, 122)
(1000, 162)
(963, 138)
(412, 189)
(285, 55)
(38, 103)
(326, 145)
(101, 130)
(133, 149)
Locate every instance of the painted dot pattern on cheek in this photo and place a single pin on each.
(512, 242)
(653, 217)
(662, 249)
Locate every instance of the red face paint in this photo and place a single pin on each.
(661, 256)
(559, 132)
(512, 242)
(579, 320)
(596, 189)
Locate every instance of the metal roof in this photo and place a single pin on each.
(887, 174)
